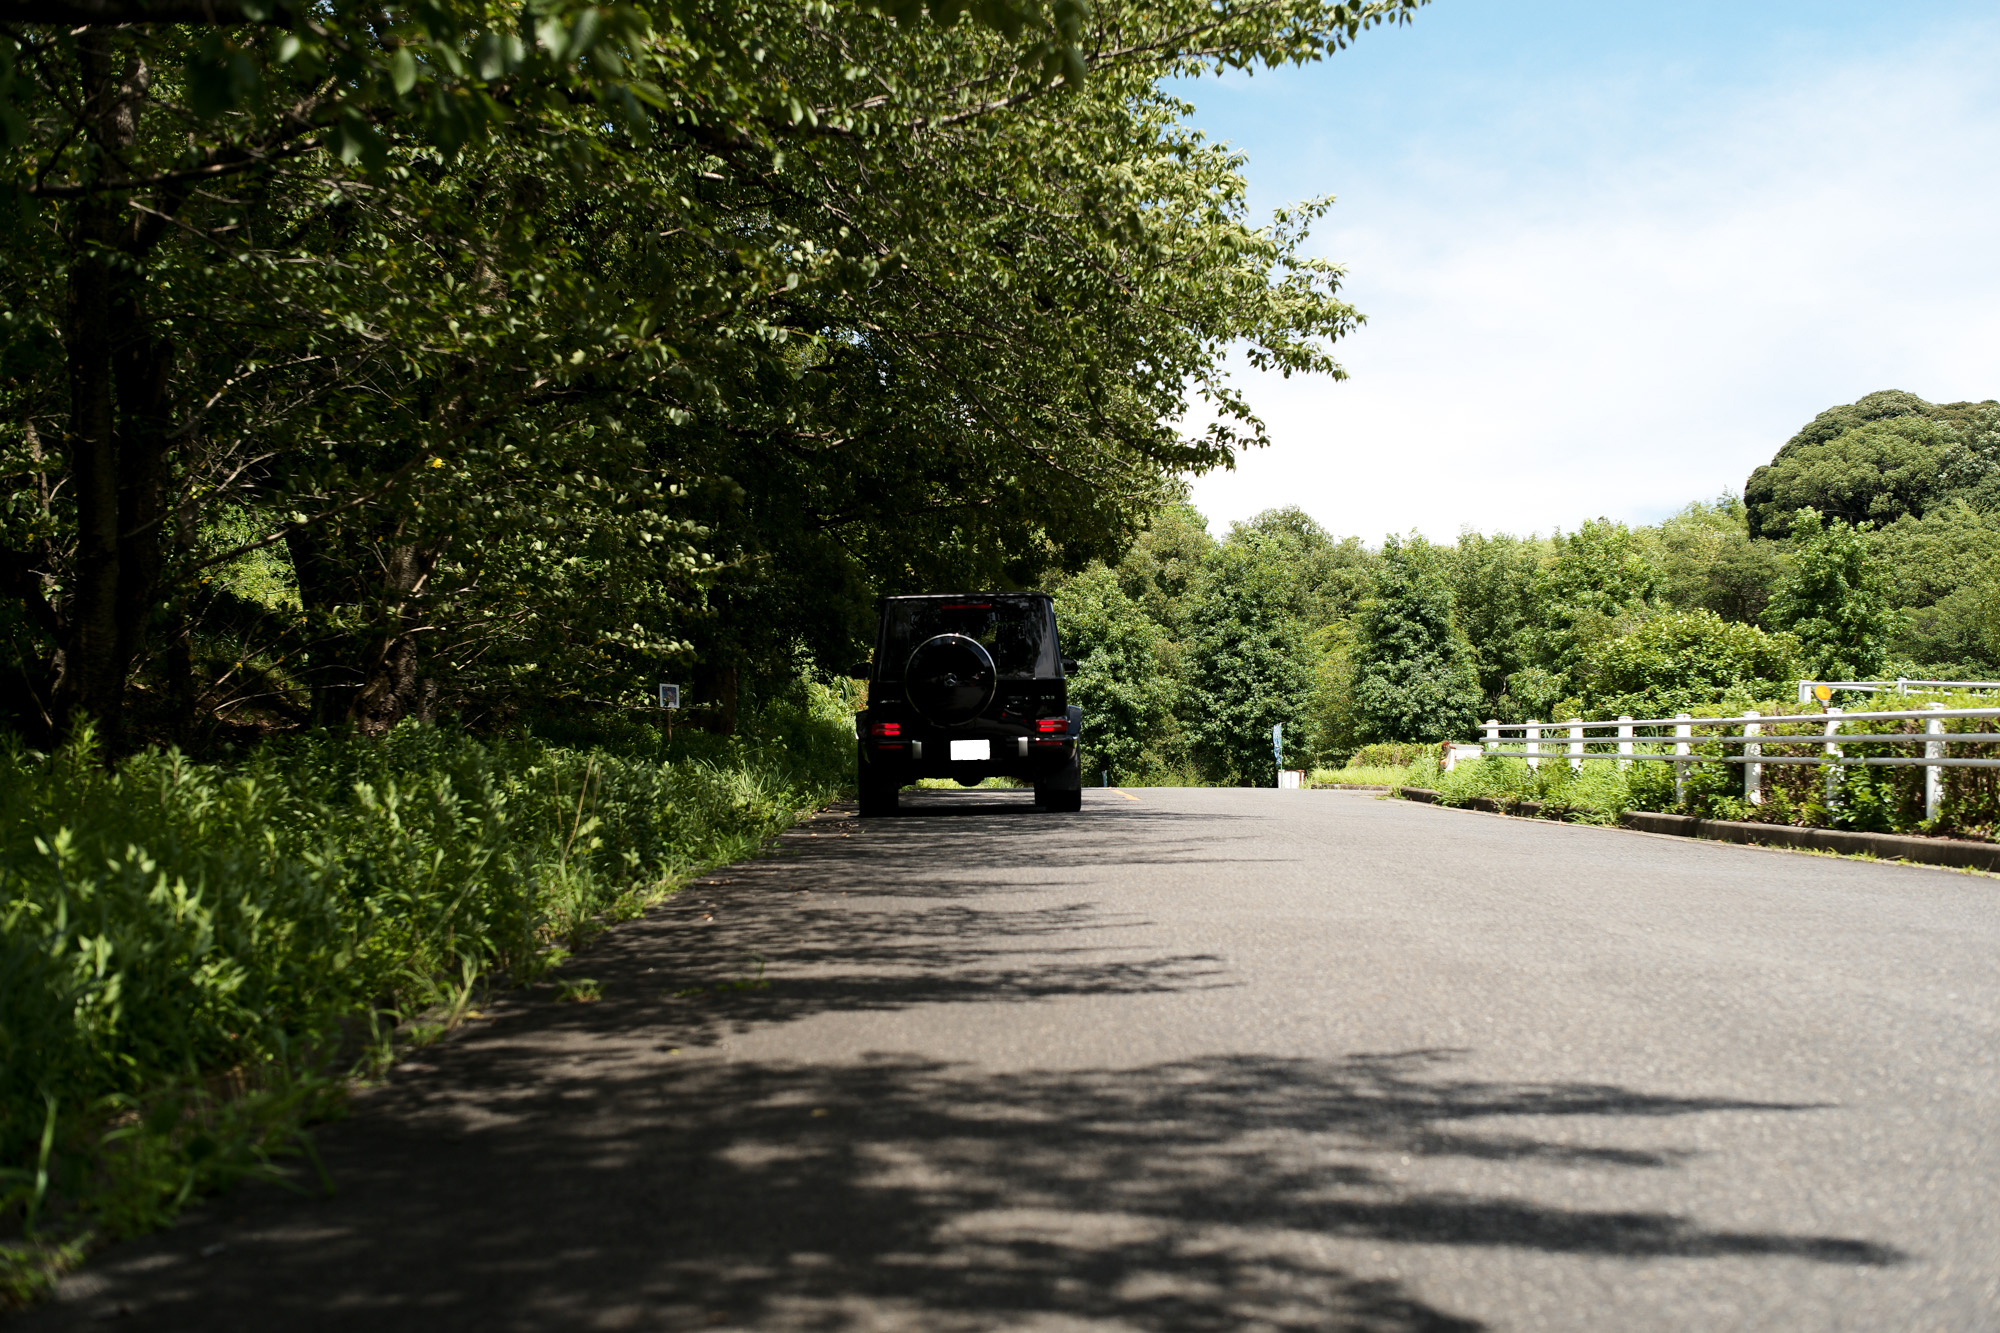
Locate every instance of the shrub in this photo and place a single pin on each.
(1677, 662)
(1598, 793)
(192, 956)
(1389, 754)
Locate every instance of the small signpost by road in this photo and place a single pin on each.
(670, 699)
(1288, 778)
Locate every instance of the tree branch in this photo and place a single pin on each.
(117, 13)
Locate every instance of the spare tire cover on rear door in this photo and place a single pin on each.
(949, 680)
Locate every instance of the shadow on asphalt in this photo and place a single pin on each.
(587, 1166)
(905, 1194)
(824, 922)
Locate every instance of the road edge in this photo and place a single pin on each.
(1951, 853)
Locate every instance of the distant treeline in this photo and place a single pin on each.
(1869, 546)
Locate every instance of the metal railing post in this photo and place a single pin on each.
(1933, 774)
(1683, 729)
(1753, 772)
(1624, 741)
(1492, 745)
(1533, 748)
(1576, 745)
(1832, 754)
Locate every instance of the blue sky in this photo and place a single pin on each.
(1613, 255)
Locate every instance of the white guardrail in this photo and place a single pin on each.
(1638, 740)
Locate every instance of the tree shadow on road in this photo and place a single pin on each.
(1204, 1194)
(846, 916)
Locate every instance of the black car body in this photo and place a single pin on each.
(968, 686)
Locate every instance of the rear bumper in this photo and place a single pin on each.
(1029, 758)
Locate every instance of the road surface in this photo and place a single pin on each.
(1199, 1060)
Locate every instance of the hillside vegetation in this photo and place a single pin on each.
(1194, 648)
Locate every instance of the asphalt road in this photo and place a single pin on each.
(1196, 1060)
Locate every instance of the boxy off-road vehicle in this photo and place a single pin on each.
(968, 686)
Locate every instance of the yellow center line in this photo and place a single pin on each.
(1126, 794)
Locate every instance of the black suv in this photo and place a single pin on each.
(968, 686)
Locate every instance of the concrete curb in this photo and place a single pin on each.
(1955, 852)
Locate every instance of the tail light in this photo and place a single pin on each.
(886, 729)
(1049, 724)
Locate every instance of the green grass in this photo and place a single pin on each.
(988, 784)
(194, 958)
(1598, 793)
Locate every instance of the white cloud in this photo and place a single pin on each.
(1637, 327)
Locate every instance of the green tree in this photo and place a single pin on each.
(1163, 565)
(1597, 585)
(1877, 472)
(1122, 682)
(1248, 661)
(1415, 678)
(1683, 659)
(556, 346)
(1707, 559)
(1493, 593)
(1885, 455)
(1936, 570)
(1831, 601)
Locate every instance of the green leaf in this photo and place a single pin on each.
(403, 70)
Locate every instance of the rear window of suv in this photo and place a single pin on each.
(1020, 632)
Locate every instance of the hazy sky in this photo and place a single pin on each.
(1613, 255)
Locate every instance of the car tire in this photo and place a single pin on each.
(1063, 793)
(878, 798)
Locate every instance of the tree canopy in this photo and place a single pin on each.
(1877, 459)
(557, 346)
(1414, 672)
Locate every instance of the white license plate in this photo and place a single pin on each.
(971, 750)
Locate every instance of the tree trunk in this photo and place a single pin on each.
(389, 689)
(118, 437)
(716, 687)
(93, 682)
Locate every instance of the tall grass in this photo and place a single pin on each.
(194, 956)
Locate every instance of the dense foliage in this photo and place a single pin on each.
(191, 955)
(1878, 459)
(364, 361)
(1412, 666)
(1344, 645)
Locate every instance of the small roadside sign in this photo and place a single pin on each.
(1823, 693)
(670, 696)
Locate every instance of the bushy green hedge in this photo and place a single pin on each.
(193, 956)
(1597, 793)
